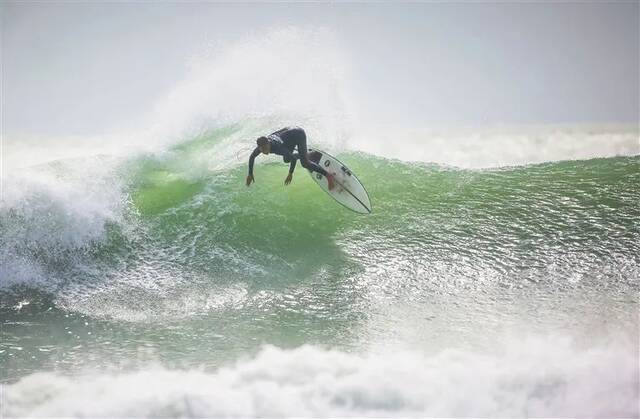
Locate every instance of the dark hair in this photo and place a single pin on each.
(262, 141)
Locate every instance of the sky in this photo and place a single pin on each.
(80, 68)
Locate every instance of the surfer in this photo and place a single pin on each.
(282, 143)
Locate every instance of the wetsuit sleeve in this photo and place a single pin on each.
(252, 159)
(292, 165)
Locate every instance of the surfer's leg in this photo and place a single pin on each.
(303, 155)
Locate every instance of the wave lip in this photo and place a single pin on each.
(491, 147)
(535, 377)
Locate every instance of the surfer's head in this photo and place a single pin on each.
(264, 145)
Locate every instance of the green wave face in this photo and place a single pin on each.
(513, 222)
(198, 260)
(509, 219)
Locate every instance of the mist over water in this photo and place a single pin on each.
(498, 273)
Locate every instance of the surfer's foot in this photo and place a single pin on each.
(330, 180)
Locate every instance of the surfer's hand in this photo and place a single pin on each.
(288, 179)
(250, 179)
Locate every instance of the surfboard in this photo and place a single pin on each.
(348, 190)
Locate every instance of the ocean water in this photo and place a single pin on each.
(498, 274)
(154, 285)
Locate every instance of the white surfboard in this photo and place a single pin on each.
(347, 190)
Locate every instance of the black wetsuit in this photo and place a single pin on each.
(283, 142)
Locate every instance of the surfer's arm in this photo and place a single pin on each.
(252, 158)
(292, 165)
(291, 159)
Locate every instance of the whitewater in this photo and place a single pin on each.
(139, 277)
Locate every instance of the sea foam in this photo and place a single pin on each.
(533, 377)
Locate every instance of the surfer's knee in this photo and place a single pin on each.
(304, 161)
(309, 165)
